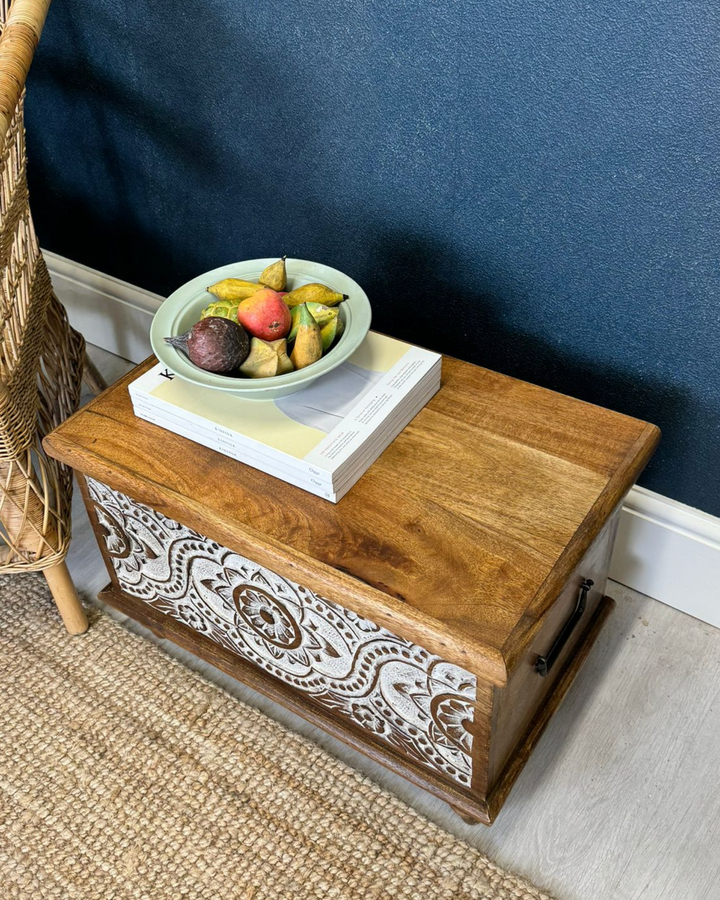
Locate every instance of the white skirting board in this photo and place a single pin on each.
(671, 552)
(110, 313)
(664, 549)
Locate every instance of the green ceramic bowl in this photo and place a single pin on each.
(182, 310)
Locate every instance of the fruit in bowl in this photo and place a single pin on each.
(267, 359)
(214, 344)
(338, 304)
(265, 315)
(259, 330)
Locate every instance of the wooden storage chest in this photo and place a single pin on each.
(433, 619)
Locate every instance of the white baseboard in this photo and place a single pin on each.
(670, 552)
(110, 313)
(664, 549)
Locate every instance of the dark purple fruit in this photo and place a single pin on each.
(214, 344)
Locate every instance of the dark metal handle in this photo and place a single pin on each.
(545, 663)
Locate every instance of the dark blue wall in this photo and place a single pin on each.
(533, 187)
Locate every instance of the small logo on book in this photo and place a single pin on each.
(168, 374)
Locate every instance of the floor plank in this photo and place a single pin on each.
(620, 800)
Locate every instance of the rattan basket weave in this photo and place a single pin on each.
(41, 356)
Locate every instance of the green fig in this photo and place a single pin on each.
(223, 309)
(234, 289)
(318, 293)
(330, 332)
(308, 341)
(274, 276)
(321, 313)
(214, 344)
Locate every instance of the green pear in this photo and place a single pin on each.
(330, 332)
(321, 313)
(308, 341)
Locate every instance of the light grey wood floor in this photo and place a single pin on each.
(621, 799)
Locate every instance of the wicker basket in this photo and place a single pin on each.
(41, 356)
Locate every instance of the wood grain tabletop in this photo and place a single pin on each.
(468, 524)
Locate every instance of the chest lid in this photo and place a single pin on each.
(459, 536)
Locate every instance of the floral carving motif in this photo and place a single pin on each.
(267, 617)
(369, 718)
(394, 690)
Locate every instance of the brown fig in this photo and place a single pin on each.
(214, 344)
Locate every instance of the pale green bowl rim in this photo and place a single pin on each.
(356, 312)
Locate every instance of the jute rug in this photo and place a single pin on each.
(125, 775)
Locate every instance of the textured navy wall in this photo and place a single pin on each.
(532, 187)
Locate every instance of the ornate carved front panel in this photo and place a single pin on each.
(403, 695)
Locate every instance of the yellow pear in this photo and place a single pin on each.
(317, 293)
(274, 276)
(234, 289)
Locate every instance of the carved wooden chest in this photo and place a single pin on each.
(433, 619)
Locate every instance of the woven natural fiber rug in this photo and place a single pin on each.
(125, 775)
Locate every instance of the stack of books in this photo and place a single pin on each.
(321, 439)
